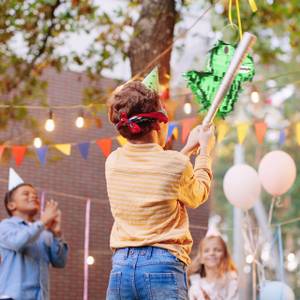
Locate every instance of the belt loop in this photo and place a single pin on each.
(127, 252)
(149, 252)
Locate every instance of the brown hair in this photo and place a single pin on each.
(133, 98)
(227, 264)
(9, 196)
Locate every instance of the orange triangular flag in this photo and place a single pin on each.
(260, 131)
(222, 130)
(105, 146)
(2, 148)
(121, 140)
(19, 153)
(298, 133)
(64, 148)
(187, 125)
(242, 130)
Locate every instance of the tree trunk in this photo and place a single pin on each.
(153, 34)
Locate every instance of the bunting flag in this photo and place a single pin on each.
(298, 133)
(242, 130)
(19, 153)
(41, 154)
(86, 249)
(281, 137)
(105, 145)
(84, 149)
(121, 140)
(64, 148)
(260, 131)
(2, 148)
(222, 130)
(171, 128)
(187, 125)
(175, 133)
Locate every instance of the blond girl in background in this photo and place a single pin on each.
(212, 274)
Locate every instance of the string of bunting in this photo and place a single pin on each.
(105, 144)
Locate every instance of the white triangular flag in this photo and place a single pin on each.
(14, 179)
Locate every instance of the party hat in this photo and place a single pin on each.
(151, 81)
(14, 179)
(213, 227)
(212, 231)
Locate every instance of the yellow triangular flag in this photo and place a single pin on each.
(64, 148)
(175, 133)
(242, 130)
(298, 133)
(222, 130)
(121, 140)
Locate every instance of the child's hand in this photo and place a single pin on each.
(199, 136)
(50, 213)
(207, 140)
(56, 225)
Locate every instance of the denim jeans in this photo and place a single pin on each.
(146, 273)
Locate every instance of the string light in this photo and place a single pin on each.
(187, 107)
(249, 259)
(90, 260)
(50, 125)
(37, 142)
(255, 98)
(79, 120)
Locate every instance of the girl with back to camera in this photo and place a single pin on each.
(212, 274)
(149, 190)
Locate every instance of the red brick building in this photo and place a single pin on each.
(71, 180)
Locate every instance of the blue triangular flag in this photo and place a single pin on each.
(84, 149)
(281, 137)
(42, 153)
(171, 128)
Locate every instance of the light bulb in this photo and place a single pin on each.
(249, 259)
(187, 108)
(37, 142)
(79, 122)
(50, 125)
(255, 98)
(90, 260)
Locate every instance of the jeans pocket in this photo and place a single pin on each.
(161, 286)
(113, 290)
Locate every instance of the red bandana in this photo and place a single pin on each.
(133, 121)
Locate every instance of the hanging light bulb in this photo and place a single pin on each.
(249, 259)
(187, 107)
(50, 125)
(255, 98)
(79, 120)
(90, 260)
(37, 142)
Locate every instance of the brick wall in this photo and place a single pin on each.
(71, 180)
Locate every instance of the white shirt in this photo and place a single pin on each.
(224, 288)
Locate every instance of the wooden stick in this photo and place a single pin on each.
(238, 57)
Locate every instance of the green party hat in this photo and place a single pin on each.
(151, 81)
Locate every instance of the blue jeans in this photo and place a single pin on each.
(146, 273)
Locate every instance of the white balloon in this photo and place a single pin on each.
(242, 186)
(276, 290)
(277, 172)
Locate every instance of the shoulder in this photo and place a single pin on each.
(111, 157)
(7, 222)
(177, 157)
(195, 279)
(232, 275)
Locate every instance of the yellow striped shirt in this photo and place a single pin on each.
(148, 190)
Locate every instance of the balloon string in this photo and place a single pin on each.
(271, 210)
